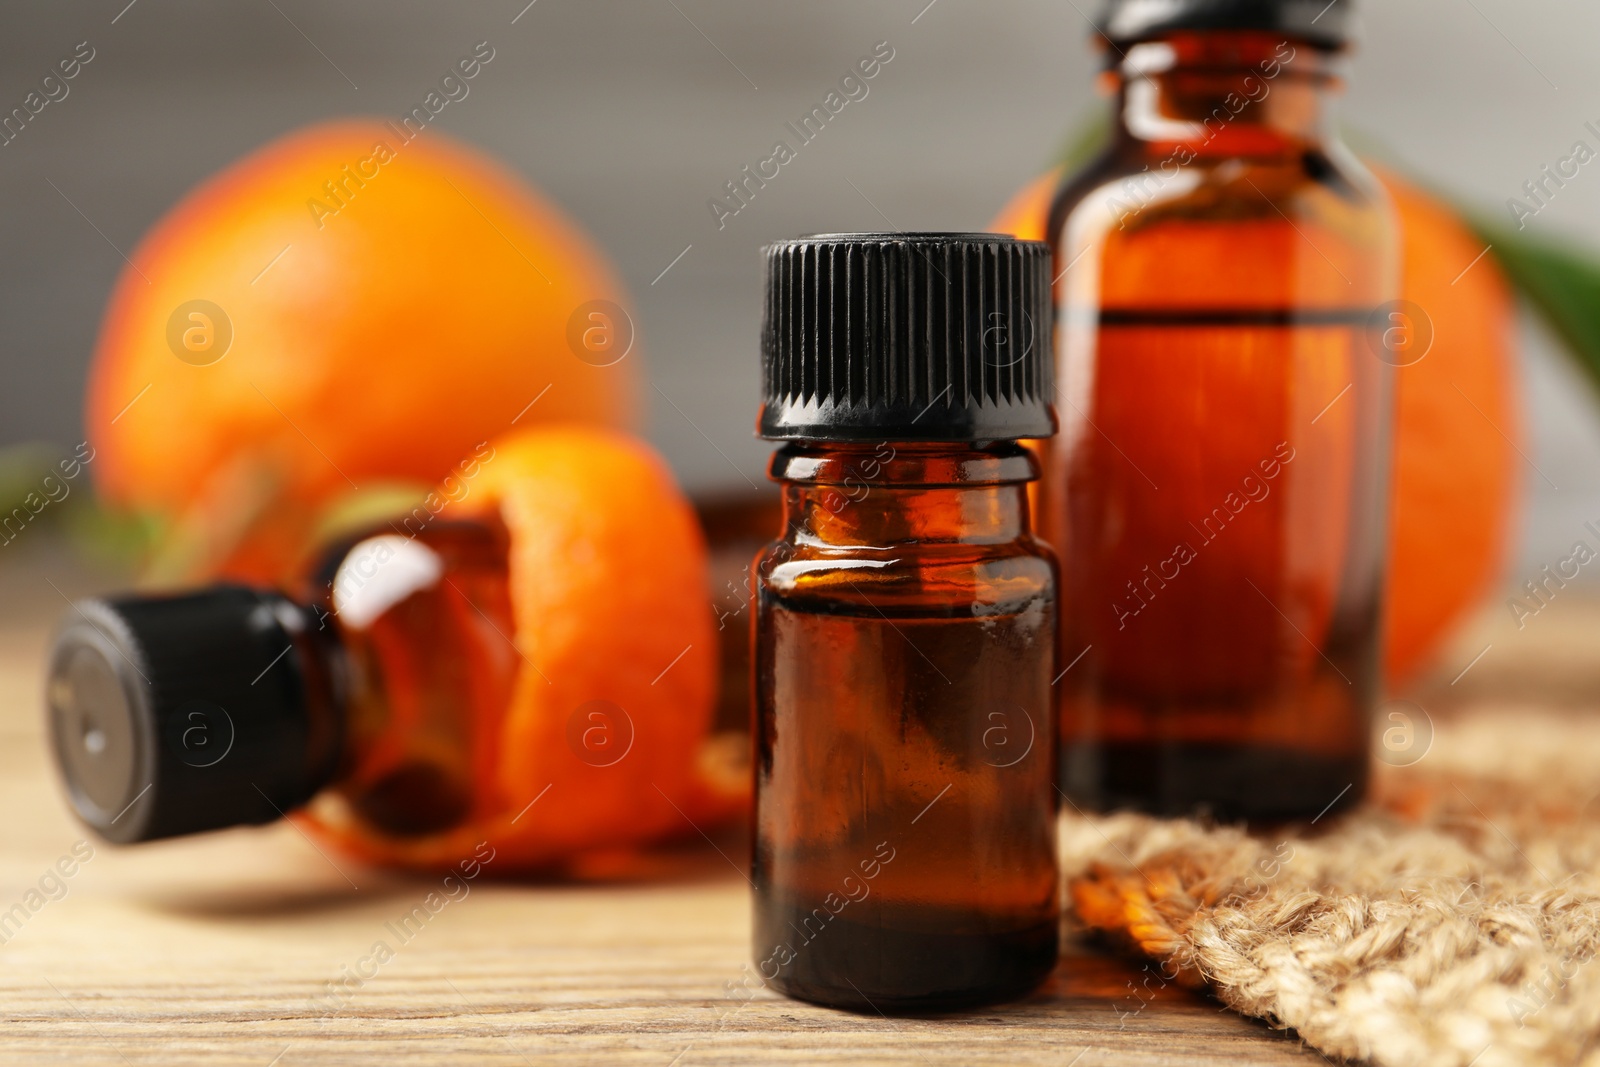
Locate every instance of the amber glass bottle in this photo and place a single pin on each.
(1218, 489)
(905, 626)
(176, 714)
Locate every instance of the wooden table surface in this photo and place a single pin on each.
(220, 950)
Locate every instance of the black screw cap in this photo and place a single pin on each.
(907, 337)
(1316, 22)
(173, 715)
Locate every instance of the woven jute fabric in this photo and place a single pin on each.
(1453, 919)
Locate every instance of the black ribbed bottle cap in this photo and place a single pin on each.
(173, 715)
(1316, 22)
(907, 337)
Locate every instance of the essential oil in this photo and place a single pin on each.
(1219, 487)
(905, 626)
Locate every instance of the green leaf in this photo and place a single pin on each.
(112, 539)
(1560, 280)
(22, 471)
(1086, 138)
(36, 494)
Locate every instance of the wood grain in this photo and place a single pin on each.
(219, 950)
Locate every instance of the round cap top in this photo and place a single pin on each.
(1317, 22)
(173, 715)
(907, 337)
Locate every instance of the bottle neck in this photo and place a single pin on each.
(403, 615)
(894, 493)
(1217, 94)
(323, 669)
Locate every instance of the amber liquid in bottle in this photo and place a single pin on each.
(904, 851)
(1218, 489)
(421, 627)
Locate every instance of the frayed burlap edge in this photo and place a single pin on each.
(1450, 921)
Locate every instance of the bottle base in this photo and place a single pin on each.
(876, 968)
(1230, 783)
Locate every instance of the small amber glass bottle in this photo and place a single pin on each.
(905, 628)
(1220, 483)
(176, 714)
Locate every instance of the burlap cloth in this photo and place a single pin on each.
(1452, 920)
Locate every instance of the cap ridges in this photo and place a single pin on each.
(1316, 22)
(907, 336)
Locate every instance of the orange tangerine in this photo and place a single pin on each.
(340, 309)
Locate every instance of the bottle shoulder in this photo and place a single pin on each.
(1161, 179)
(894, 556)
(937, 579)
(1310, 227)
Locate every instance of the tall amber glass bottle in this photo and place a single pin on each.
(905, 628)
(1218, 490)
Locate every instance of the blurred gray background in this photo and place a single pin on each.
(632, 113)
